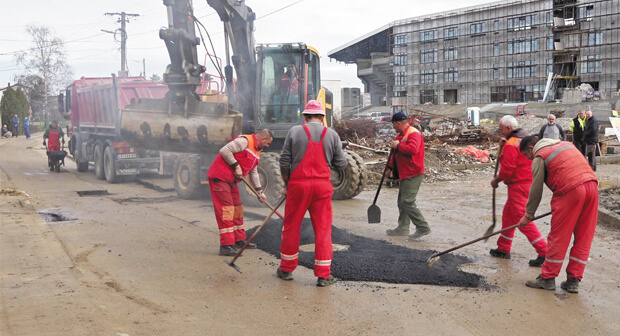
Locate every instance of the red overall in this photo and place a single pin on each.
(53, 142)
(225, 192)
(309, 188)
(574, 209)
(518, 183)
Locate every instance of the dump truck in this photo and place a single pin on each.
(92, 106)
(260, 96)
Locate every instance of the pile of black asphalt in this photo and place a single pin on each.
(373, 260)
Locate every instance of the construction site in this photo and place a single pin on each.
(120, 230)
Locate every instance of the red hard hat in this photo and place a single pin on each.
(314, 107)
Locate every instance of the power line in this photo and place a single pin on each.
(123, 20)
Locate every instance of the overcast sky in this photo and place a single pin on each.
(323, 24)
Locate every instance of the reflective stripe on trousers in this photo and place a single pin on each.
(228, 211)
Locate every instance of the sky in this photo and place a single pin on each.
(323, 24)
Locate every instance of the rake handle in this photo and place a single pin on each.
(256, 194)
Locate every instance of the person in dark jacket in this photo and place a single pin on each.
(552, 130)
(590, 138)
(577, 126)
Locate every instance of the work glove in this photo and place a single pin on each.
(44, 143)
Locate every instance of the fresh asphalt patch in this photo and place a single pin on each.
(373, 260)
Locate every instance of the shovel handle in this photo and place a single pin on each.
(499, 151)
(484, 237)
(383, 175)
(248, 241)
(245, 180)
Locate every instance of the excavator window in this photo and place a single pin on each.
(281, 89)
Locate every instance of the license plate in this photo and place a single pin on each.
(128, 171)
(127, 156)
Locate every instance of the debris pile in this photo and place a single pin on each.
(533, 124)
(610, 199)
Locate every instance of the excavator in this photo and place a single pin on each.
(273, 83)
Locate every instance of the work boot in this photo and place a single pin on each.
(537, 262)
(321, 282)
(540, 283)
(499, 254)
(397, 232)
(419, 233)
(240, 244)
(571, 285)
(227, 250)
(284, 275)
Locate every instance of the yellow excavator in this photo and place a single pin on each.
(272, 85)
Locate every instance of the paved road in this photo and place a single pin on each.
(142, 262)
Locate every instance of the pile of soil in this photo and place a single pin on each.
(373, 260)
(610, 199)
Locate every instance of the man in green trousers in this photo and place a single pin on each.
(407, 165)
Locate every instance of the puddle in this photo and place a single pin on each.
(99, 192)
(54, 216)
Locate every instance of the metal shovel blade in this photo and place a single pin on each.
(232, 264)
(374, 214)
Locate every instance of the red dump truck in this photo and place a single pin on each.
(93, 107)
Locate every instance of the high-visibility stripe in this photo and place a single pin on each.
(323, 262)
(505, 237)
(536, 240)
(554, 261)
(555, 153)
(252, 152)
(578, 260)
(226, 230)
(237, 227)
(289, 257)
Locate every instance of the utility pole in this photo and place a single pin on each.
(122, 20)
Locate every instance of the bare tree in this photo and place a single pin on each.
(46, 62)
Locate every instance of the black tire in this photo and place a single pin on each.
(270, 180)
(82, 166)
(99, 167)
(109, 165)
(363, 173)
(347, 183)
(57, 167)
(186, 177)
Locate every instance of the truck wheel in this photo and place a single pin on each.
(109, 165)
(270, 179)
(362, 171)
(346, 183)
(186, 177)
(82, 166)
(99, 168)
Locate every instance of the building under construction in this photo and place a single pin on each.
(498, 52)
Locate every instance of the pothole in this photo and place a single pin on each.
(50, 217)
(336, 247)
(98, 192)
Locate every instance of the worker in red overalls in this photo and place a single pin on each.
(55, 135)
(516, 173)
(309, 151)
(574, 208)
(236, 160)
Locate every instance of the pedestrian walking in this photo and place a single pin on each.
(516, 173)
(590, 138)
(27, 127)
(15, 124)
(407, 165)
(578, 126)
(237, 159)
(574, 208)
(309, 151)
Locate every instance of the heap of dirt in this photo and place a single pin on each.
(373, 260)
(610, 199)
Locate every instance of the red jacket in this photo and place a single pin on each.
(566, 167)
(515, 167)
(248, 159)
(409, 155)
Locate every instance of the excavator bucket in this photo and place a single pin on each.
(199, 127)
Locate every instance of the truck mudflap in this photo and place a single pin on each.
(205, 128)
(132, 166)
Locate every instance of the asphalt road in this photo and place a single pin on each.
(142, 262)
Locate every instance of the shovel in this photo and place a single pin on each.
(433, 259)
(492, 227)
(248, 241)
(374, 212)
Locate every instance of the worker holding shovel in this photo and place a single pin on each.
(407, 165)
(516, 173)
